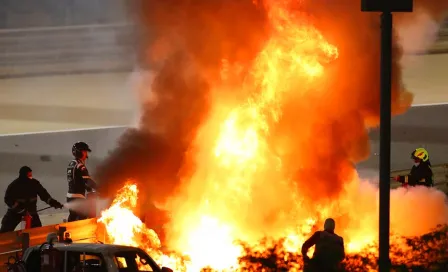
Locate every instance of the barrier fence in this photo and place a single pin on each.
(87, 49)
(65, 50)
(29, 13)
(13, 243)
(441, 45)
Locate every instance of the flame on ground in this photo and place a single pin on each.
(249, 182)
(123, 227)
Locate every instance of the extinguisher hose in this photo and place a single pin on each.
(43, 209)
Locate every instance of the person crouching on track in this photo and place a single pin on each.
(421, 173)
(21, 197)
(78, 178)
(329, 249)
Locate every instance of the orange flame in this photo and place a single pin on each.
(211, 243)
(237, 162)
(122, 211)
(123, 227)
(243, 188)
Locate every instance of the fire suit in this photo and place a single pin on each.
(328, 253)
(79, 181)
(21, 197)
(420, 175)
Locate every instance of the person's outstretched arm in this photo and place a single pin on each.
(45, 196)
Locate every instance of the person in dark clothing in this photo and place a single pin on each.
(329, 249)
(78, 178)
(421, 173)
(21, 197)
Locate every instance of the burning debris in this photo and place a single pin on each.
(431, 256)
(431, 247)
(253, 116)
(426, 252)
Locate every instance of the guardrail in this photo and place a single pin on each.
(13, 243)
(440, 172)
(441, 45)
(86, 49)
(71, 49)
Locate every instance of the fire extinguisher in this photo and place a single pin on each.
(27, 218)
(50, 258)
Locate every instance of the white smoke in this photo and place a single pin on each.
(86, 206)
(139, 81)
(414, 211)
(417, 37)
(417, 210)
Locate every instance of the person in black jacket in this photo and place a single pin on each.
(421, 173)
(329, 249)
(21, 197)
(78, 178)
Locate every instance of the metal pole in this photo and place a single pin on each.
(385, 138)
(43, 209)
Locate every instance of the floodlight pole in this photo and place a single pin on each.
(386, 7)
(385, 139)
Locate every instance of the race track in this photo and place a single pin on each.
(423, 126)
(48, 153)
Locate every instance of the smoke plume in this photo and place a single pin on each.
(321, 132)
(181, 50)
(419, 30)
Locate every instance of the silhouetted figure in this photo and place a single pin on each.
(329, 249)
(21, 198)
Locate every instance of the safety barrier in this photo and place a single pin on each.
(440, 172)
(86, 49)
(24, 13)
(13, 243)
(441, 45)
(63, 50)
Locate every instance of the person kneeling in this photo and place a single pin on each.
(329, 249)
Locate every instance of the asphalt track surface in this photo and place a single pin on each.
(424, 126)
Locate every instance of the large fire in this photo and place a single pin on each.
(254, 177)
(211, 244)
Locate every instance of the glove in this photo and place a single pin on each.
(55, 204)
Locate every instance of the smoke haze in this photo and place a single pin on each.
(322, 130)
